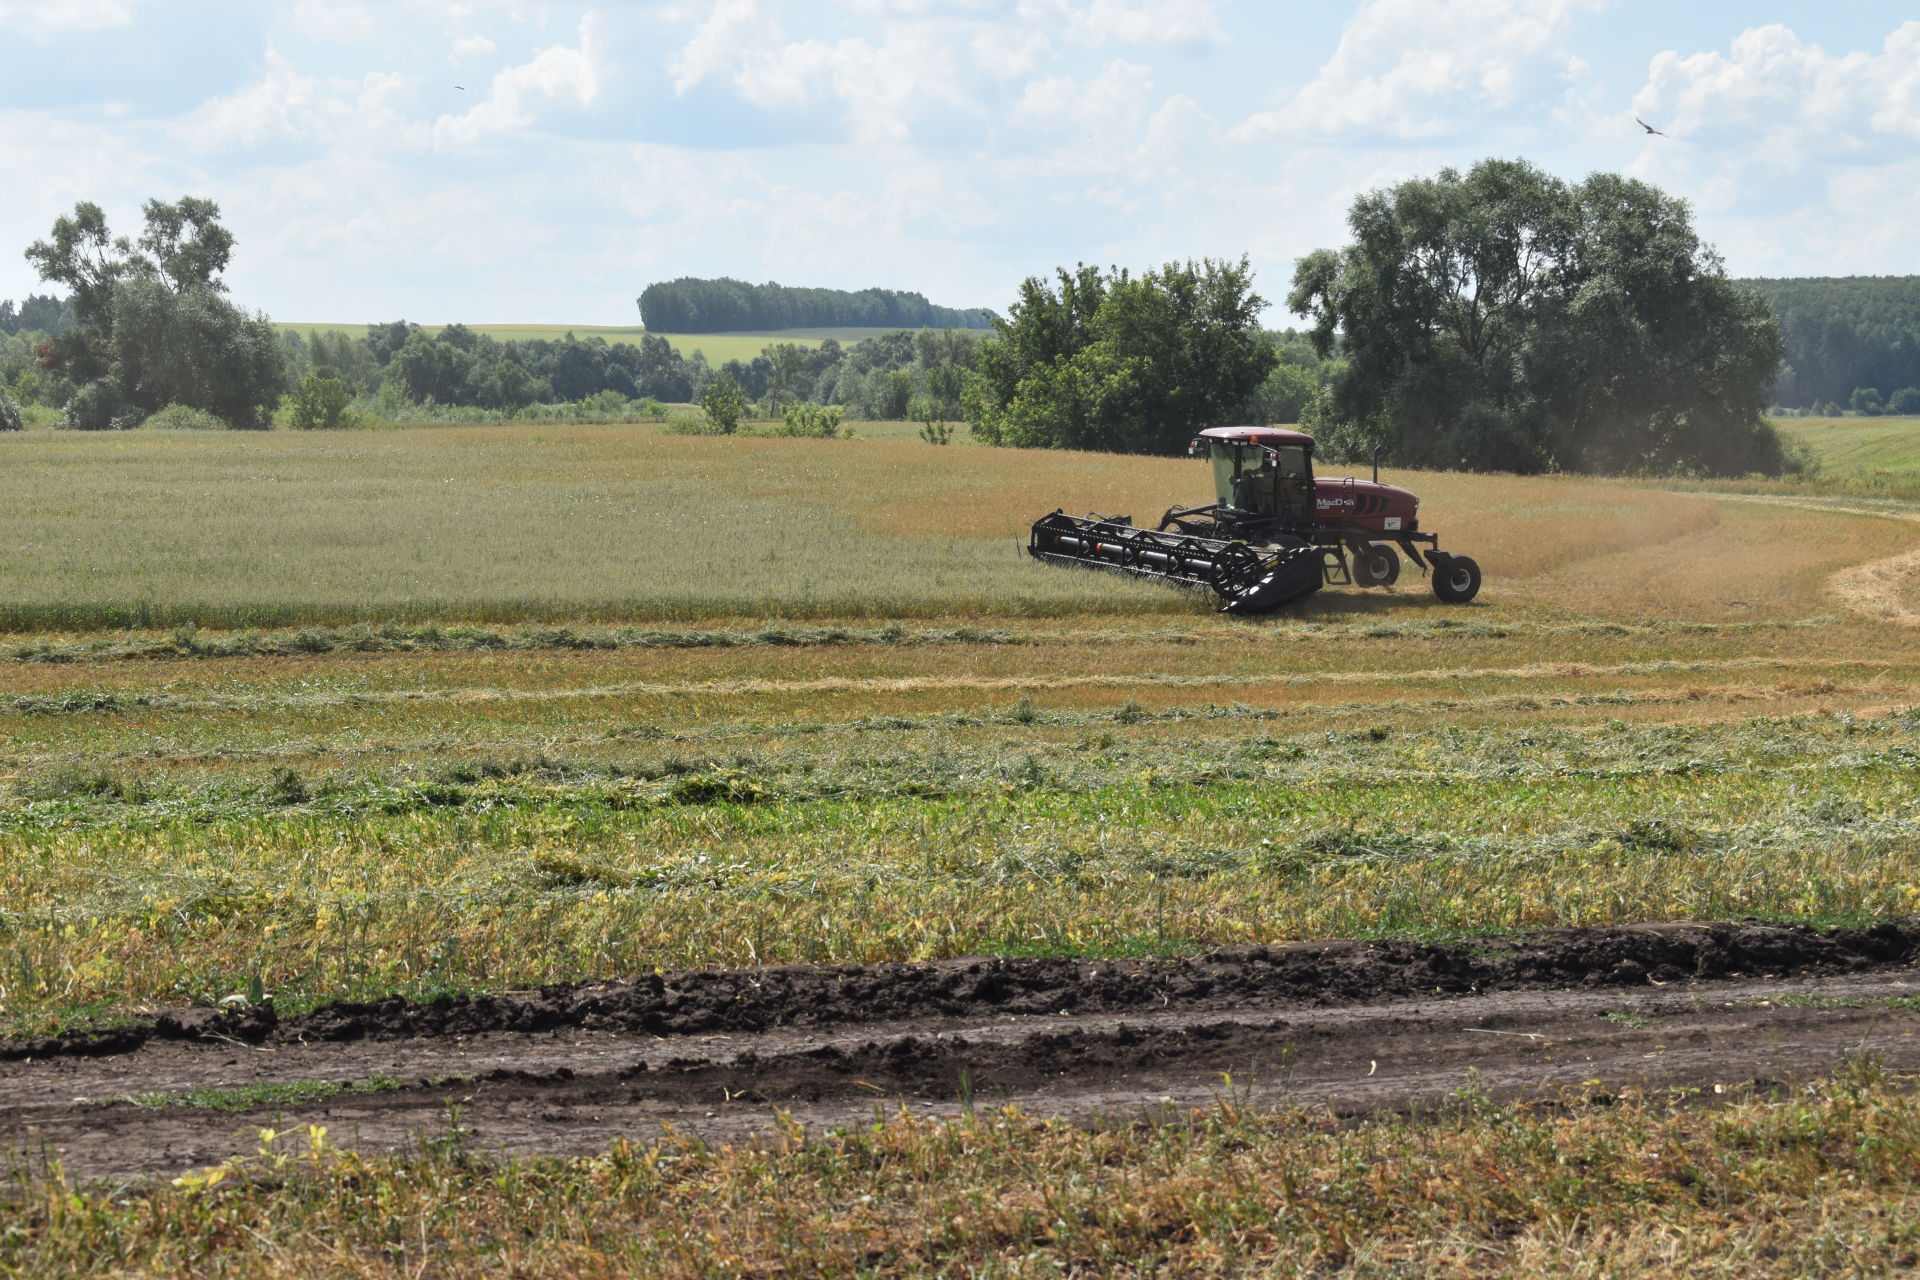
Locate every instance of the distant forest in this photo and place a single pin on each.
(1852, 342)
(688, 305)
(42, 314)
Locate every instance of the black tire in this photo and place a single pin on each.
(1456, 579)
(1375, 565)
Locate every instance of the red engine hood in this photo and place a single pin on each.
(1385, 507)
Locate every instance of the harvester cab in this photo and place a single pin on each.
(1273, 533)
(1259, 481)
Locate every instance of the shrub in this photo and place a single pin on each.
(96, 407)
(812, 421)
(929, 413)
(9, 413)
(180, 417)
(724, 404)
(605, 404)
(1904, 401)
(1866, 401)
(319, 404)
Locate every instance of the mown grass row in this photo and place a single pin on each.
(938, 755)
(1111, 839)
(190, 642)
(1783, 1180)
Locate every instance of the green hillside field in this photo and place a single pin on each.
(1861, 449)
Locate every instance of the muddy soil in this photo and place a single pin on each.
(1353, 1026)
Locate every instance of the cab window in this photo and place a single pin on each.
(1238, 477)
(1291, 461)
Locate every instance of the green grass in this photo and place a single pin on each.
(1860, 449)
(368, 861)
(613, 522)
(490, 524)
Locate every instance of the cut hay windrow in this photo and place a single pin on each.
(1890, 699)
(359, 641)
(82, 702)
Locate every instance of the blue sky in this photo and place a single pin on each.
(947, 146)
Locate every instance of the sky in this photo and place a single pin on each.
(497, 161)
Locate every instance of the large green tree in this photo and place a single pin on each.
(1114, 361)
(1506, 320)
(155, 325)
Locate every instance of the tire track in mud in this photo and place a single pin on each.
(1354, 1026)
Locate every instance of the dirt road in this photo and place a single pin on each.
(1352, 1026)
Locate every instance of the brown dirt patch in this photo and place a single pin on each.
(1356, 1026)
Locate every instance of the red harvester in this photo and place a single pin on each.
(1273, 533)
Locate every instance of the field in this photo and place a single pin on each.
(1883, 450)
(719, 347)
(458, 791)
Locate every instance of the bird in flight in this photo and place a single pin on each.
(1649, 128)
(462, 88)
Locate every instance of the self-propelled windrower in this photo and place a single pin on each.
(1272, 534)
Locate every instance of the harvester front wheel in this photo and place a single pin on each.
(1375, 565)
(1456, 579)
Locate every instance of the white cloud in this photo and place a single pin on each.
(1181, 136)
(555, 74)
(918, 223)
(881, 89)
(51, 17)
(730, 26)
(978, 141)
(1112, 103)
(1008, 51)
(1425, 68)
(285, 105)
(474, 46)
(908, 57)
(1797, 159)
(1778, 97)
(1104, 22)
(338, 21)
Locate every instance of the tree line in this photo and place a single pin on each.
(1851, 343)
(894, 375)
(42, 314)
(1503, 319)
(152, 325)
(690, 305)
(458, 366)
(1498, 319)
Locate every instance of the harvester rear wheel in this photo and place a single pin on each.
(1456, 579)
(1375, 565)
